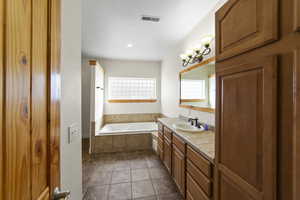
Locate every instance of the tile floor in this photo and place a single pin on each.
(126, 176)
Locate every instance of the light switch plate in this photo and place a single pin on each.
(72, 133)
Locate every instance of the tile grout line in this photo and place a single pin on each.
(109, 187)
(131, 183)
(151, 180)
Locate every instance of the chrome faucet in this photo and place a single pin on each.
(195, 122)
(191, 120)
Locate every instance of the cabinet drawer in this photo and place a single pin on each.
(199, 161)
(194, 192)
(160, 127)
(200, 178)
(160, 134)
(179, 143)
(168, 133)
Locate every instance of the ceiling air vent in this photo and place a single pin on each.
(150, 18)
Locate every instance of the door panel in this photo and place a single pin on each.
(247, 125)
(242, 25)
(1, 98)
(178, 166)
(167, 155)
(229, 190)
(296, 139)
(297, 15)
(39, 140)
(54, 87)
(29, 99)
(17, 99)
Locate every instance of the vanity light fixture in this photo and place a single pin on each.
(196, 54)
(129, 45)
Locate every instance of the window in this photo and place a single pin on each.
(131, 90)
(192, 89)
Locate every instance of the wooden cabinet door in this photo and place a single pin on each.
(296, 139)
(246, 131)
(178, 166)
(297, 15)
(242, 25)
(168, 155)
(29, 99)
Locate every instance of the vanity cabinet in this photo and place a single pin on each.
(178, 163)
(199, 175)
(160, 146)
(191, 171)
(167, 149)
(167, 153)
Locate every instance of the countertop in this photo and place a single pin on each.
(203, 142)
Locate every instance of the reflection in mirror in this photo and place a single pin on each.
(198, 87)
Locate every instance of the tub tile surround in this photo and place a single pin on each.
(122, 143)
(127, 118)
(204, 142)
(135, 175)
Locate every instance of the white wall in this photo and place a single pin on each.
(131, 68)
(85, 97)
(71, 170)
(171, 66)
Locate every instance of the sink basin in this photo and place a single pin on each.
(187, 128)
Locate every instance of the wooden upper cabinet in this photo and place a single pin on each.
(242, 25)
(246, 135)
(297, 15)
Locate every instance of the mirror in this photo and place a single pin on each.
(198, 87)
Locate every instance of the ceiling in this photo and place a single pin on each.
(109, 26)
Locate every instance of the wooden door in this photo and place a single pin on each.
(296, 128)
(167, 155)
(242, 25)
(178, 165)
(246, 131)
(29, 91)
(297, 15)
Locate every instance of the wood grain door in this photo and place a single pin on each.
(246, 131)
(297, 15)
(29, 99)
(178, 165)
(296, 128)
(242, 25)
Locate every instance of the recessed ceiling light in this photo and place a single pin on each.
(129, 45)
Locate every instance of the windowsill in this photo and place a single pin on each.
(132, 100)
(191, 100)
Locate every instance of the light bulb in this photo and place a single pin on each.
(198, 47)
(207, 40)
(189, 52)
(183, 56)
